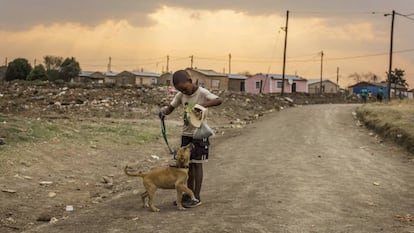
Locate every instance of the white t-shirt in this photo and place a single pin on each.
(200, 96)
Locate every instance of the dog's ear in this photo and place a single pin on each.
(191, 146)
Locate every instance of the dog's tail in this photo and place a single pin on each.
(140, 174)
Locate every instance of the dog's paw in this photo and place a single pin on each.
(180, 208)
(155, 210)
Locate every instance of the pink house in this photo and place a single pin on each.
(272, 83)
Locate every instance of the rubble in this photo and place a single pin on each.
(51, 101)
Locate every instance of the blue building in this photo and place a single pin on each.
(371, 88)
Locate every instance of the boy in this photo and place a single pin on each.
(190, 94)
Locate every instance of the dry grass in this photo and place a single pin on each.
(394, 120)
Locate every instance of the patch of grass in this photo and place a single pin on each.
(3, 118)
(16, 130)
(125, 134)
(393, 121)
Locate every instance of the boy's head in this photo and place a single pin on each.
(182, 82)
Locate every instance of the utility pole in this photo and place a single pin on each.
(391, 51)
(337, 77)
(192, 60)
(168, 63)
(320, 86)
(284, 53)
(5, 61)
(229, 63)
(110, 64)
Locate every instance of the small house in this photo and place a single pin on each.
(272, 83)
(209, 79)
(314, 86)
(165, 79)
(90, 77)
(371, 87)
(237, 82)
(136, 78)
(410, 94)
(110, 77)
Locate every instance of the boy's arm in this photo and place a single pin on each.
(167, 109)
(213, 102)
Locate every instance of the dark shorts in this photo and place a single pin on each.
(200, 152)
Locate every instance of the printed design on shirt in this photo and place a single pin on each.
(188, 108)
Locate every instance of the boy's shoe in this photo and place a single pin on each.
(191, 204)
(182, 202)
(185, 198)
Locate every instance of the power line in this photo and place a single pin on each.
(338, 12)
(407, 17)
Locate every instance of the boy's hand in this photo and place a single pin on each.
(166, 110)
(163, 112)
(161, 115)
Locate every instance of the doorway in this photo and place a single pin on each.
(293, 87)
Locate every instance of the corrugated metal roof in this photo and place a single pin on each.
(210, 73)
(110, 74)
(237, 76)
(287, 76)
(385, 85)
(312, 81)
(85, 73)
(146, 74)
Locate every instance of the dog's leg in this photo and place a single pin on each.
(179, 200)
(151, 188)
(183, 188)
(144, 196)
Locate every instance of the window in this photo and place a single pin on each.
(258, 85)
(215, 83)
(279, 84)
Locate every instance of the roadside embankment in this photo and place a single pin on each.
(393, 121)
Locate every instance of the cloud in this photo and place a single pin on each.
(23, 14)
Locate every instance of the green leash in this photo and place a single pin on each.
(164, 135)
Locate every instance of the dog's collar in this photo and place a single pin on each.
(179, 166)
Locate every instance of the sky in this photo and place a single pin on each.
(354, 35)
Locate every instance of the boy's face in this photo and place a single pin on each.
(185, 87)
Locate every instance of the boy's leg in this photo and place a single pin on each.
(198, 179)
(199, 155)
(191, 177)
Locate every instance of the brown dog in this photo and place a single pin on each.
(172, 177)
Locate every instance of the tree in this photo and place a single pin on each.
(38, 73)
(52, 65)
(52, 62)
(19, 68)
(69, 69)
(356, 77)
(364, 77)
(397, 78)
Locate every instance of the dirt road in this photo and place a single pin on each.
(305, 169)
